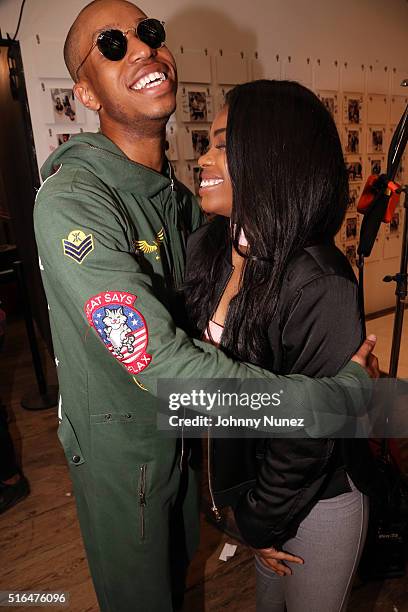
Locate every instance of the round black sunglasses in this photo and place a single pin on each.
(113, 43)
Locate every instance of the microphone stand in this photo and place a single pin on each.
(401, 292)
(371, 225)
(385, 549)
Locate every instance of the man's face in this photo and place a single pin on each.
(121, 88)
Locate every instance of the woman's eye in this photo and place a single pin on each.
(221, 145)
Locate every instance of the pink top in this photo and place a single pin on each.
(213, 332)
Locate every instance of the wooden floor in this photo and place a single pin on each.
(40, 544)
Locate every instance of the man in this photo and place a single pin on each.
(111, 224)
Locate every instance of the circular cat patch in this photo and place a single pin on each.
(121, 327)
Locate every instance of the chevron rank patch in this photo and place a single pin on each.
(78, 246)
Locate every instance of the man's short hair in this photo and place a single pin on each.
(72, 52)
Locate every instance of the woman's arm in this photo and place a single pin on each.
(320, 333)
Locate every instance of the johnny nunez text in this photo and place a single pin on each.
(230, 421)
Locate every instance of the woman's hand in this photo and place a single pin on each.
(273, 559)
(365, 357)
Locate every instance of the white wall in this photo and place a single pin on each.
(357, 31)
(364, 30)
(370, 32)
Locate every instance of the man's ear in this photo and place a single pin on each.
(86, 96)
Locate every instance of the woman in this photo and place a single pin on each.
(266, 282)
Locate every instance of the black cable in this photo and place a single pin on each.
(19, 19)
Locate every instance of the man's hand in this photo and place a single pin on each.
(273, 559)
(365, 357)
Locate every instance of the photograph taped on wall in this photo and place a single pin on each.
(353, 109)
(64, 105)
(377, 109)
(61, 138)
(171, 142)
(59, 106)
(57, 138)
(350, 228)
(354, 169)
(194, 66)
(352, 140)
(378, 79)
(231, 67)
(376, 164)
(200, 141)
(353, 76)
(350, 251)
(330, 100)
(376, 139)
(195, 141)
(354, 195)
(196, 104)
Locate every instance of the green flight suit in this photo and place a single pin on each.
(111, 239)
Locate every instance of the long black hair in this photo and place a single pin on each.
(290, 190)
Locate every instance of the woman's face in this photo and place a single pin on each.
(215, 187)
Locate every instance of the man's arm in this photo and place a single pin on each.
(112, 268)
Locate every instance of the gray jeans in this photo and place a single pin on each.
(330, 540)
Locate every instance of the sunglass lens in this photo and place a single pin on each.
(112, 44)
(151, 32)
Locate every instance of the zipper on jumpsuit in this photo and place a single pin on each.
(214, 508)
(142, 499)
(184, 411)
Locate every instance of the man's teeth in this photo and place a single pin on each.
(150, 80)
(210, 182)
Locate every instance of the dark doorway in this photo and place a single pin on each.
(19, 180)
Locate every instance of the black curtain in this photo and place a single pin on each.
(19, 174)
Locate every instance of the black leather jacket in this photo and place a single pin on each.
(274, 484)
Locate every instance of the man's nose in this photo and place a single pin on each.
(138, 50)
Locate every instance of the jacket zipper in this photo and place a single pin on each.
(171, 176)
(142, 499)
(182, 442)
(214, 508)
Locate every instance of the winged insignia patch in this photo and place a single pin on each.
(78, 246)
(145, 247)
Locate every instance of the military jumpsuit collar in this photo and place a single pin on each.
(99, 155)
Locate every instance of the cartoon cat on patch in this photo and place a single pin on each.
(117, 331)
